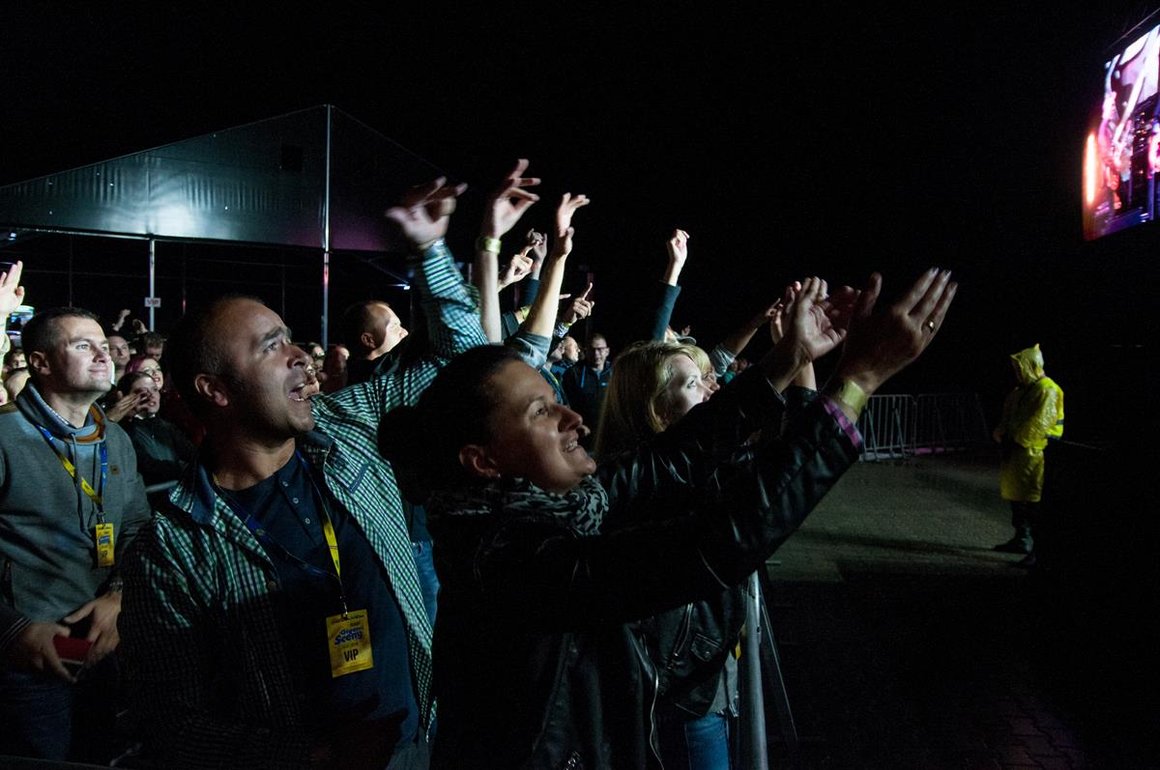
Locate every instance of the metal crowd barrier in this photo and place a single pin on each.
(898, 426)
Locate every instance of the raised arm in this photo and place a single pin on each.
(121, 316)
(517, 269)
(655, 309)
(504, 208)
(11, 297)
(725, 525)
(729, 348)
(678, 248)
(541, 319)
(806, 378)
(448, 308)
(538, 245)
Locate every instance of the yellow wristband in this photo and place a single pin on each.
(485, 243)
(850, 394)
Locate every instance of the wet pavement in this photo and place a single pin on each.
(907, 642)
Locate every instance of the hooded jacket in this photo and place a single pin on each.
(48, 561)
(1032, 413)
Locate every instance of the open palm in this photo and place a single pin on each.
(808, 322)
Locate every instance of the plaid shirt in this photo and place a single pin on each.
(202, 649)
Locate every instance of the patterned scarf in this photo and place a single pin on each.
(581, 508)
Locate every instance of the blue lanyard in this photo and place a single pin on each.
(264, 538)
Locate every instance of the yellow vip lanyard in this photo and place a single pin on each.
(103, 534)
(67, 464)
(347, 633)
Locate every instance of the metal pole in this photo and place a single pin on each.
(184, 271)
(325, 336)
(70, 271)
(152, 283)
(774, 679)
(753, 749)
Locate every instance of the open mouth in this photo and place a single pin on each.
(305, 391)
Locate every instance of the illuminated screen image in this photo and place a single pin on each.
(1122, 150)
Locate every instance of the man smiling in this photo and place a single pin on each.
(70, 502)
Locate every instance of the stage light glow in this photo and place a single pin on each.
(1091, 170)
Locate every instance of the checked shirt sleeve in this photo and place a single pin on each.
(450, 311)
(450, 326)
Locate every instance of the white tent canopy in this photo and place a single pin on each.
(316, 179)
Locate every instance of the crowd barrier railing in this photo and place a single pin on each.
(898, 426)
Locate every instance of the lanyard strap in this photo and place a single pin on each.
(103, 451)
(331, 542)
(264, 538)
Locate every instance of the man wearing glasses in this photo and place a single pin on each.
(585, 383)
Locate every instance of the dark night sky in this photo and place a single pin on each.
(823, 139)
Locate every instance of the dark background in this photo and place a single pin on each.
(819, 139)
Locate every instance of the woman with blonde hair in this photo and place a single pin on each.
(658, 382)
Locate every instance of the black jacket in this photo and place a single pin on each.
(535, 663)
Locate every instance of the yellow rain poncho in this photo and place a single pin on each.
(1032, 413)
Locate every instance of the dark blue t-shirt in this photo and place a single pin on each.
(288, 510)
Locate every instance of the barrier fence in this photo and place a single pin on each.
(896, 426)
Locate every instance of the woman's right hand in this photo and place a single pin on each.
(125, 406)
(883, 341)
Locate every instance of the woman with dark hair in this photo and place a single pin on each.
(544, 557)
(173, 409)
(163, 451)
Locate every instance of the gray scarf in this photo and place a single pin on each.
(581, 508)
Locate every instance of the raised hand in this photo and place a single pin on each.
(883, 341)
(678, 246)
(564, 212)
(11, 292)
(808, 330)
(539, 245)
(125, 406)
(517, 270)
(581, 307)
(425, 211)
(508, 203)
(121, 316)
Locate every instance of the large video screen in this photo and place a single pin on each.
(1121, 166)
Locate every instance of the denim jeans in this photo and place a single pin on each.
(428, 582)
(47, 718)
(695, 744)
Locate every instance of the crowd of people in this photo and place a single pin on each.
(477, 542)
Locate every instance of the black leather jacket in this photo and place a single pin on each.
(536, 665)
(689, 645)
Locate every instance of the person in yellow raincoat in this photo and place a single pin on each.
(1032, 416)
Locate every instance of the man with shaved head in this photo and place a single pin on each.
(275, 617)
(370, 330)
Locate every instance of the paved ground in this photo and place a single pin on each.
(906, 642)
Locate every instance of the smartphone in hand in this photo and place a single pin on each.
(72, 651)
